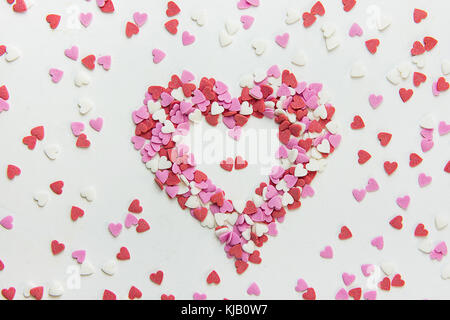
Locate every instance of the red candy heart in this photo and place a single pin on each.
(76, 213)
(167, 297)
(57, 247)
(405, 94)
(2, 50)
(318, 9)
(12, 171)
(135, 206)
(134, 293)
(417, 48)
(442, 84)
(345, 233)
(213, 277)
(390, 167)
(82, 141)
(89, 62)
(131, 29)
(4, 94)
(384, 138)
(30, 142)
(20, 6)
(241, 266)
(420, 231)
(355, 293)
(108, 7)
(57, 187)
(419, 78)
(372, 45)
(414, 160)
(419, 15)
(363, 156)
(429, 43)
(123, 254)
(447, 167)
(227, 164)
(53, 20)
(172, 9)
(308, 19)
(240, 163)
(310, 294)
(357, 123)
(172, 26)
(397, 222)
(348, 4)
(385, 284)
(9, 293)
(397, 281)
(142, 226)
(109, 295)
(157, 277)
(38, 132)
(37, 292)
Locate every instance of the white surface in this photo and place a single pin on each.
(176, 243)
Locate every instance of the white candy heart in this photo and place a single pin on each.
(441, 221)
(232, 26)
(300, 171)
(248, 220)
(292, 16)
(315, 154)
(426, 246)
(41, 198)
(320, 112)
(427, 122)
(153, 164)
(292, 155)
(258, 200)
(85, 105)
(282, 185)
(159, 115)
(199, 17)
(333, 126)
(405, 69)
(26, 289)
(56, 289)
(383, 22)
(109, 267)
(332, 42)
(239, 205)
(247, 234)
(52, 151)
(445, 66)
(287, 199)
(259, 46)
(249, 247)
(192, 202)
(178, 94)
(208, 221)
(246, 81)
(153, 106)
(82, 79)
(328, 29)
(259, 75)
(358, 70)
(260, 228)
(445, 272)
(195, 116)
(299, 58)
(88, 193)
(388, 268)
(324, 146)
(324, 97)
(86, 268)
(12, 53)
(168, 127)
(216, 108)
(419, 60)
(164, 164)
(394, 76)
(246, 109)
(220, 218)
(182, 189)
(232, 218)
(224, 38)
(312, 165)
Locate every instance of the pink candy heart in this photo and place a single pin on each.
(101, 3)
(4, 106)
(307, 191)
(378, 242)
(247, 21)
(370, 295)
(79, 255)
(341, 294)
(426, 144)
(158, 55)
(235, 133)
(282, 40)
(372, 185)
(443, 128)
(130, 220)
(115, 228)
(301, 285)
(199, 296)
(72, 53)
(375, 100)
(96, 124)
(77, 128)
(7, 222)
(86, 19)
(327, 253)
(335, 140)
(355, 30)
(403, 202)
(105, 62)
(140, 18)
(359, 194)
(254, 289)
(187, 38)
(424, 180)
(56, 75)
(367, 269)
(243, 4)
(348, 278)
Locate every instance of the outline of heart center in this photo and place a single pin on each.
(306, 131)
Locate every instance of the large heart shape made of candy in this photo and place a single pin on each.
(307, 137)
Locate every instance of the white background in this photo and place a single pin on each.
(176, 243)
